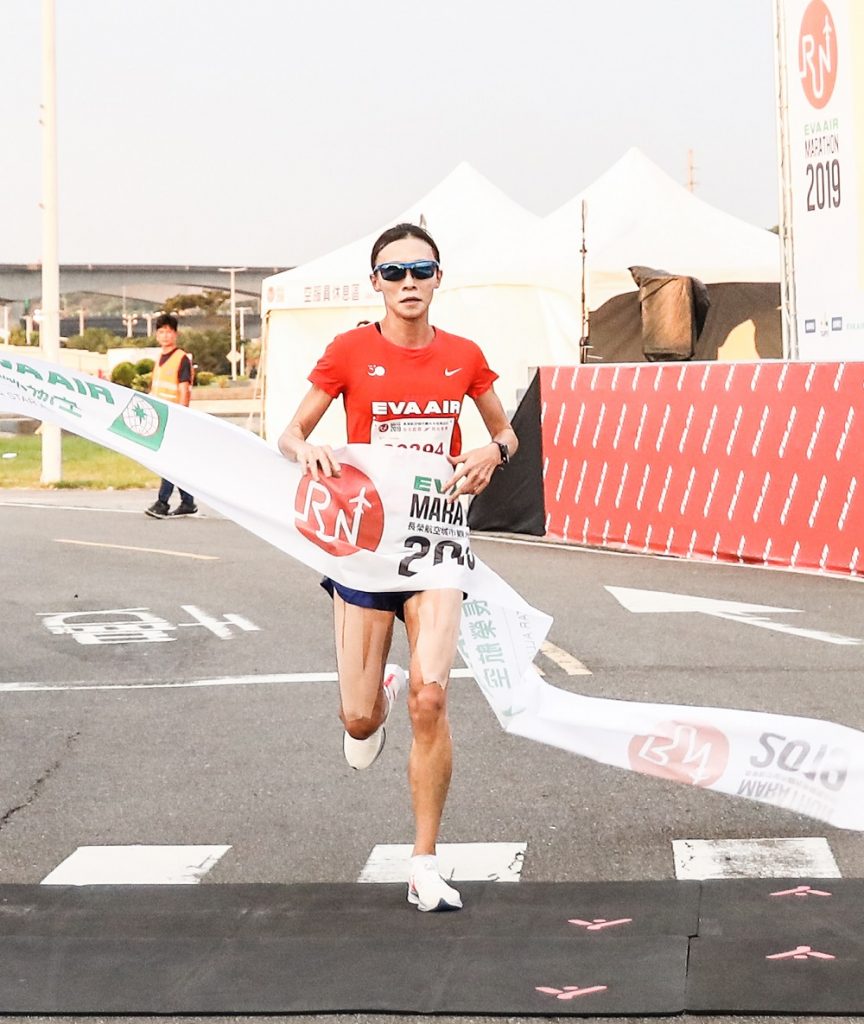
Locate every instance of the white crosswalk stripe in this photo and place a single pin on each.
(458, 862)
(136, 865)
(754, 858)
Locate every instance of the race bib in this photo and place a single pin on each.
(419, 433)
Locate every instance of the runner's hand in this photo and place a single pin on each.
(474, 471)
(315, 459)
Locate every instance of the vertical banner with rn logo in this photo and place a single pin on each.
(824, 60)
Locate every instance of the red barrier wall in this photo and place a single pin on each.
(757, 462)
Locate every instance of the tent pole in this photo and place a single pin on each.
(585, 327)
(262, 371)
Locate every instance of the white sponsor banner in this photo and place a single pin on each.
(293, 291)
(825, 123)
(385, 525)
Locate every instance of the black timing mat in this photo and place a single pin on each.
(773, 945)
(526, 948)
(755, 946)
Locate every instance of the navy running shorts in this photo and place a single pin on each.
(382, 602)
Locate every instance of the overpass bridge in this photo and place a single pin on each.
(146, 283)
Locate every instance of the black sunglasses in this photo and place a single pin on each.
(421, 270)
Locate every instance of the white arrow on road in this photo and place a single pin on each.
(658, 601)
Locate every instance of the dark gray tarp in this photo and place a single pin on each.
(616, 327)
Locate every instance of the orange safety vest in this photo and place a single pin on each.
(165, 383)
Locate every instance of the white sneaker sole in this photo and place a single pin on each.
(414, 900)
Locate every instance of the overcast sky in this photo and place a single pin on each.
(271, 131)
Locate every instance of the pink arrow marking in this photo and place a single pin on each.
(570, 991)
(598, 923)
(801, 953)
(801, 890)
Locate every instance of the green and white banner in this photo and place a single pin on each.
(384, 525)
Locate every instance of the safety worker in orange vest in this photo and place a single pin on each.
(172, 382)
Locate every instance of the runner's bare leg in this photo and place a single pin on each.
(432, 620)
(363, 637)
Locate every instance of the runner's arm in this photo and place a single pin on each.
(500, 430)
(293, 444)
(474, 468)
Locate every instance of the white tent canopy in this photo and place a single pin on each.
(636, 215)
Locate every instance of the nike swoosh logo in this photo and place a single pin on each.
(449, 373)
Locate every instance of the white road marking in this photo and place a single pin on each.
(287, 677)
(563, 659)
(103, 626)
(221, 627)
(136, 865)
(660, 602)
(458, 862)
(754, 858)
(129, 547)
(70, 508)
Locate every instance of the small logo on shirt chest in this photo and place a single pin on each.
(449, 373)
(376, 371)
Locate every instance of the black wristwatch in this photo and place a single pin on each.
(505, 453)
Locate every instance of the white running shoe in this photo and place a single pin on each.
(362, 754)
(427, 890)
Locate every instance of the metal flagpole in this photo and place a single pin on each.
(49, 327)
(788, 309)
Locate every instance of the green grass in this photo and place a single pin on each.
(85, 464)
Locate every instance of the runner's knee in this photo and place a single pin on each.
(428, 705)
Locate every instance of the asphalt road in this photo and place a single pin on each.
(257, 765)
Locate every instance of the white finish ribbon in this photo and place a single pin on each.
(384, 524)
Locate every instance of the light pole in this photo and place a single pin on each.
(233, 357)
(49, 326)
(243, 310)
